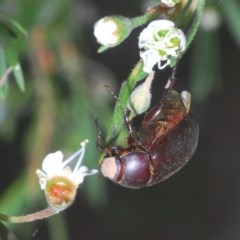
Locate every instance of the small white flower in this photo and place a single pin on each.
(160, 41)
(105, 30)
(60, 180)
(53, 165)
(170, 3)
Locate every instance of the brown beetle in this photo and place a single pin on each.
(165, 142)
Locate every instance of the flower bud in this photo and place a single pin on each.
(140, 99)
(112, 30)
(170, 3)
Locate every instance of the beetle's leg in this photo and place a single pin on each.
(170, 83)
(128, 123)
(155, 111)
(171, 80)
(117, 150)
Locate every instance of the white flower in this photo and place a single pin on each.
(170, 3)
(160, 41)
(105, 30)
(54, 165)
(59, 180)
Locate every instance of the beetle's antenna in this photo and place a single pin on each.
(125, 115)
(100, 138)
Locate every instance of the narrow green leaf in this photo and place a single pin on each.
(231, 13)
(195, 22)
(3, 65)
(17, 71)
(13, 27)
(8, 57)
(4, 90)
(11, 54)
(3, 68)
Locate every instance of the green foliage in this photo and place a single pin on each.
(11, 32)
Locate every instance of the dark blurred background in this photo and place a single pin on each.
(64, 93)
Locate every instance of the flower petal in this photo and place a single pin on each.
(52, 163)
(150, 58)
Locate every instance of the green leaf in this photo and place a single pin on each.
(4, 90)
(195, 22)
(11, 53)
(231, 13)
(9, 57)
(17, 71)
(3, 65)
(3, 68)
(13, 27)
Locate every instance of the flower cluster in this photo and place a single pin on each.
(59, 180)
(160, 41)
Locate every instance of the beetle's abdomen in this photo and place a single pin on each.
(173, 150)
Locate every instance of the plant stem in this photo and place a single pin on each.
(136, 75)
(48, 212)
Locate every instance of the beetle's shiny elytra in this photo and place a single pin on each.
(165, 142)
